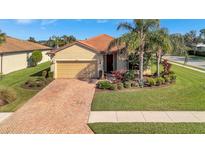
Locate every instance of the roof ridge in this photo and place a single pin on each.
(26, 41)
(98, 36)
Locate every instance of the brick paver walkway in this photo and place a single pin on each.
(62, 107)
(147, 116)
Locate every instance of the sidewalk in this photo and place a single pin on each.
(195, 69)
(198, 62)
(147, 116)
(4, 115)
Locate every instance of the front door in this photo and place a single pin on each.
(109, 63)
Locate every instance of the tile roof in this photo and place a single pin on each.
(99, 44)
(17, 45)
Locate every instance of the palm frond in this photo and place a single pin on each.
(115, 43)
(125, 26)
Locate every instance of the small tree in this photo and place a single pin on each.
(36, 57)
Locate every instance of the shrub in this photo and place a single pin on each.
(127, 84)
(151, 82)
(118, 75)
(50, 74)
(166, 67)
(159, 81)
(171, 72)
(120, 86)
(36, 57)
(167, 78)
(173, 77)
(104, 84)
(49, 79)
(113, 87)
(7, 95)
(134, 84)
(36, 82)
(129, 75)
(44, 74)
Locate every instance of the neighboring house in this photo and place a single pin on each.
(15, 53)
(199, 50)
(87, 58)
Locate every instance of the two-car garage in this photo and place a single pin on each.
(76, 69)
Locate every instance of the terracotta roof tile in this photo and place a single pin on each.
(99, 44)
(17, 45)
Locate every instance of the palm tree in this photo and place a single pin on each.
(32, 39)
(160, 43)
(202, 34)
(179, 46)
(2, 37)
(191, 40)
(68, 39)
(135, 39)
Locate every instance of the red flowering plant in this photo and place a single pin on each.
(117, 76)
(166, 67)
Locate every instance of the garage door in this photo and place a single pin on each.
(76, 69)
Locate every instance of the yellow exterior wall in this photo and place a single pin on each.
(76, 69)
(18, 60)
(77, 52)
(14, 61)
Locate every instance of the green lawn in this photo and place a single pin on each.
(148, 128)
(196, 57)
(14, 80)
(188, 93)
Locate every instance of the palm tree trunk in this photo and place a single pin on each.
(141, 66)
(158, 62)
(158, 65)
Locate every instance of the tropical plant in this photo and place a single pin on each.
(166, 67)
(191, 40)
(136, 38)
(151, 82)
(160, 42)
(118, 75)
(68, 39)
(104, 84)
(202, 34)
(36, 57)
(58, 41)
(32, 39)
(178, 45)
(127, 84)
(133, 59)
(2, 37)
(129, 75)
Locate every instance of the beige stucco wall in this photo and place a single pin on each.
(122, 61)
(45, 57)
(14, 61)
(77, 52)
(18, 60)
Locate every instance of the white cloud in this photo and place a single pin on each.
(102, 21)
(48, 22)
(24, 21)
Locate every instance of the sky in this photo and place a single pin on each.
(84, 28)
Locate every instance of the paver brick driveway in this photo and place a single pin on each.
(62, 107)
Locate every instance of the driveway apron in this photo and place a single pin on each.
(62, 107)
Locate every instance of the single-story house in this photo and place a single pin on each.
(15, 53)
(87, 58)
